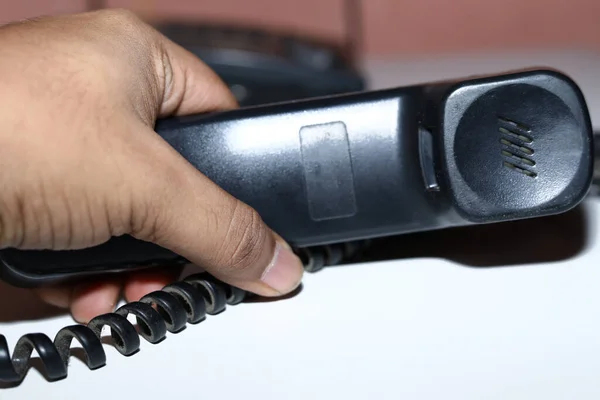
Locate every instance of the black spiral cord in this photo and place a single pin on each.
(168, 310)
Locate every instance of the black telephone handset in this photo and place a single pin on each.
(335, 170)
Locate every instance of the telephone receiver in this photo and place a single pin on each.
(333, 171)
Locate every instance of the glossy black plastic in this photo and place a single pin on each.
(373, 164)
(596, 180)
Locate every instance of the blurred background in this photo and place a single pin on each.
(364, 32)
(391, 27)
(356, 37)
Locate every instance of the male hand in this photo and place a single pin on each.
(80, 161)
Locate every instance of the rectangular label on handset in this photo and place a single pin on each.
(328, 171)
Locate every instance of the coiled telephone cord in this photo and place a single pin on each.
(168, 310)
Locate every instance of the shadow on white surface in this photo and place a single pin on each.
(519, 243)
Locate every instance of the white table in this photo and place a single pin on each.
(426, 328)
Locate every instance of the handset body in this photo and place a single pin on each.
(372, 164)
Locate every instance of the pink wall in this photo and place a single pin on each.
(404, 27)
(11, 10)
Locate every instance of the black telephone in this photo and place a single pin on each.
(334, 170)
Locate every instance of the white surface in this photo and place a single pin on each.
(425, 328)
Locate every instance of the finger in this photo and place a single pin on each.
(57, 296)
(179, 208)
(190, 86)
(92, 299)
(140, 284)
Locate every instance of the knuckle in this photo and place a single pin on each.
(11, 234)
(244, 240)
(119, 16)
(144, 223)
(25, 221)
(144, 218)
(125, 27)
(41, 221)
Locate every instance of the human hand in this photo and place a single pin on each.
(80, 161)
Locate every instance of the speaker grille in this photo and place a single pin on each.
(516, 146)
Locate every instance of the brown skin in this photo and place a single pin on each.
(80, 161)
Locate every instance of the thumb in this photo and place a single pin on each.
(180, 209)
